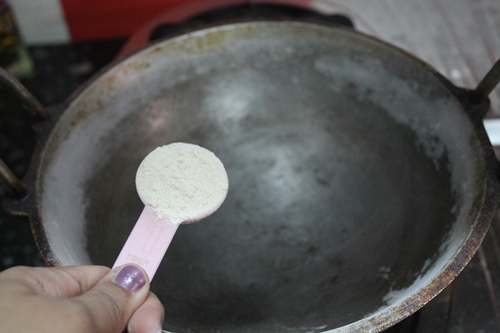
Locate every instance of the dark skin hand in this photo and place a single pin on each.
(78, 299)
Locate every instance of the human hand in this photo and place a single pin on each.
(74, 299)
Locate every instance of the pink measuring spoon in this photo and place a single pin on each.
(178, 183)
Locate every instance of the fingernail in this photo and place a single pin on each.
(130, 278)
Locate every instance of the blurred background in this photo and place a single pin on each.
(54, 46)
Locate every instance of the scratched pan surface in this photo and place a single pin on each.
(356, 177)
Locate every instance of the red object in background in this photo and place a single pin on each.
(98, 19)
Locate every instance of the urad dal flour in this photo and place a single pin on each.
(182, 182)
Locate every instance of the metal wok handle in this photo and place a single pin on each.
(487, 84)
(9, 180)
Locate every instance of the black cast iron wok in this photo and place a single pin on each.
(361, 181)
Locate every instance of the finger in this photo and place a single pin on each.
(86, 277)
(109, 305)
(148, 318)
(57, 282)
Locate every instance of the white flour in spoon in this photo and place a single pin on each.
(182, 182)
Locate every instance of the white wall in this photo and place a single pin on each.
(40, 21)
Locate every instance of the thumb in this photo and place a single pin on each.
(112, 301)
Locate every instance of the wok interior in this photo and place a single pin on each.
(343, 197)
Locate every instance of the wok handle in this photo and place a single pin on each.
(9, 180)
(487, 84)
